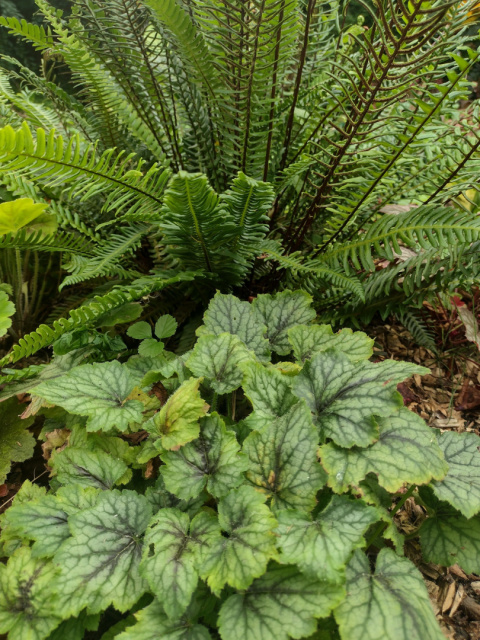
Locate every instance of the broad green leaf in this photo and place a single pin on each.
(321, 546)
(16, 442)
(159, 498)
(405, 452)
(153, 624)
(27, 600)
(177, 421)
(212, 461)
(392, 603)
(75, 465)
(269, 392)
(75, 628)
(449, 538)
(283, 461)
(461, 485)
(98, 391)
(100, 562)
(344, 396)
(150, 348)
(18, 213)
(169, 560)
(308, 340)
(281, 604)
(281, 312)
(7, 309)
(165, 327)
(226, 313)
(140, 331)
(218, 359)
(243, 554)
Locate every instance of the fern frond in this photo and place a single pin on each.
(419, 330)
(56, 242)
(87, 315)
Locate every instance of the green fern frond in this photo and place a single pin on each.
(416, 325)
(56, 242)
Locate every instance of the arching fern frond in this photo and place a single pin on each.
(56, 242)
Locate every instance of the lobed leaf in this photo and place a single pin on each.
(16, 442)
(308, 340)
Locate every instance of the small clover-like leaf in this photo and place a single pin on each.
(100, 562)
(165, 327)
(228, 314)
(27, 602)
(283, 462)
(217, 359)
(75, 465)
(98, 391)
(16, 442)
(177, 421)
(152, 623)
(405, 452)
(269, 392)
(447, 537)
(321, 546)
(281, 312)
(391, 603)
(281, 604)
(212, 461)
(344, 396)
(308, 340)
(169, 561)
(140, 331)
(243, 553)
(461, 485)
(150, 348)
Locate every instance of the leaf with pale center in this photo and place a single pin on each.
(269, 392)
(153, 624)
(27, 602)
(283, 462)
(218, 359)
(392, 603)
(169, 560)
(344, 396)
(461, 485)
(211, 461)
(405, 452)
(75, 465)
(281, 604)
(308, 340)
(280, 312)
(228, 314)
(177, 421)
(100, 562)
(241, 555)
(98, 391)
(321, 546)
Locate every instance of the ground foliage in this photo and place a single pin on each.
(270, 514)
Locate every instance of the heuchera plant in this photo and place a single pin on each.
(245, 490)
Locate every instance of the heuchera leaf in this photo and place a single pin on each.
(74, 628)
(308, 340)
(321, 546)
(177, 421)
(165, 327)
(89, 468)
(170, 557)
(217, 358)
(160, 498)
(242, 555)
(449, 538)
(16, 442)
(98, 391)
(269, 392)
(226, 313)
(280, 312)
(283, 462)
(391, 603)
(344, 396)
(404, 452)
(281, 604)
(153, 624)
(100, 562)
(27, 601)
(212, 461)
(461, 485)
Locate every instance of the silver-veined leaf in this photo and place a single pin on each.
(308, 340)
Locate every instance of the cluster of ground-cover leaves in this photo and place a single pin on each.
(280, 446)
